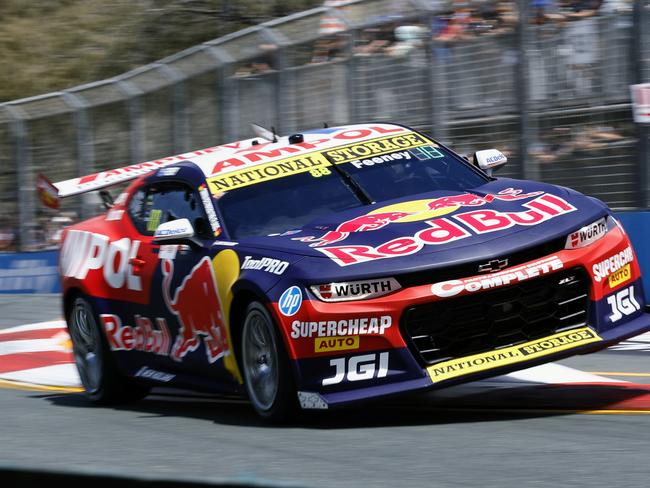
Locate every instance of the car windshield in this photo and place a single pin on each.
(290, 202)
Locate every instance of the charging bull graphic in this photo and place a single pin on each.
(377, 221)
(196, 304)
(362, 223)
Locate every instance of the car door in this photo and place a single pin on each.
(184, 301)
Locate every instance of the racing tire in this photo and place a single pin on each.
(97, 369)
(267, 374)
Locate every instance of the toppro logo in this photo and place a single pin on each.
(269, 265)
(84, 251)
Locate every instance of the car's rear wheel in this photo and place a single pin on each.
(267, 374)
(97, 370)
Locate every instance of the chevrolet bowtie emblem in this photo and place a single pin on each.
(492, 266)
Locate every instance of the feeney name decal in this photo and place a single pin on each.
(444, 231)
(450, 288)
(84, 251)
(611, 265)
(143, 337)
(337, 328)
(511, 355)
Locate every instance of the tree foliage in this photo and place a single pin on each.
(49, 45)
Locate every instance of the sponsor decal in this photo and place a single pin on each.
(336, 343)
(413, 211)
(114, 214)
(269, 265)
(612, 264)
(198, 308)
(358, 368)
(374, 147)
(152, 374)
(339, 328)
(168, 251)
(587, 234)
(621, 276)
(154, 220)
(446, 289)
(360, 163)
(224, 243)
(85, 251)
(144, 336)
(511, 355)
(262, 152)
(290, 301)
(355, 290)
(313, 163)
(168, 171)
(444, 231)
(623, 303)
(209, 210)
(427, 152)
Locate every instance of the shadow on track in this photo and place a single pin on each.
(413, 410)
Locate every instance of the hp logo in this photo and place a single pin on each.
(290, 301)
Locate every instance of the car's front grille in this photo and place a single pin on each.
(429, 276)
(488, 320)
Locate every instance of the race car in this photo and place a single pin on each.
(333, 266)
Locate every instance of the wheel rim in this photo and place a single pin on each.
(86, 345)
(260, 360)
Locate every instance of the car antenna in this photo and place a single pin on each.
(269, 135)
(326, 125)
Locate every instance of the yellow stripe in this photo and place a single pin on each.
(524, 411)
(512, 355)
(18, 385)
(613, 373)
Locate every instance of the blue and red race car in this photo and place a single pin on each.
(333, 266)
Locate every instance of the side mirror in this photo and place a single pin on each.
(175, 232)
(489, 160)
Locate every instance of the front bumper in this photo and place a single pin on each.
(339, 359)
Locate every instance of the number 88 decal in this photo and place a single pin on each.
(623, 303)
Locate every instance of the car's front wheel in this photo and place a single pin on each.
(267, 374)
(98, 373)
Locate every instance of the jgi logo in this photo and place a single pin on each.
(358, 368)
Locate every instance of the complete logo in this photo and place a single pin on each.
(290, 301)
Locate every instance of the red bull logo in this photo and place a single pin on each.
(464, 200)
(362, 223)
(413, 211)
(197, 306)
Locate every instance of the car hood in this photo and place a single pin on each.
(498, 218)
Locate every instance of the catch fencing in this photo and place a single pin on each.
(550, 89)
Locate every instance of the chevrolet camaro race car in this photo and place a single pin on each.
(333, 266)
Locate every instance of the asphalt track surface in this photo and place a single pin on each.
(526, 440)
